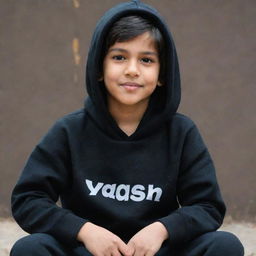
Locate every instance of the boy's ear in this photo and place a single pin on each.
(159, 83)
(100, 79)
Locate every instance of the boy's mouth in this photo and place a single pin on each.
(131, 86)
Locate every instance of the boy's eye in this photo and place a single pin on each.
(147, 60)
(118, 57)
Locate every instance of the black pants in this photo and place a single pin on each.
(211, 244)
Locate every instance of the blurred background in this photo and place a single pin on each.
(43, 48)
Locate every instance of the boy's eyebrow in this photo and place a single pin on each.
(125, 51)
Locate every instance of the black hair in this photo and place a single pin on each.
(129, 27)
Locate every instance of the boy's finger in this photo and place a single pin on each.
(116, 253)
(150, 253)
(125, 249)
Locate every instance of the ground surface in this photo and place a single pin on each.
(10, 232)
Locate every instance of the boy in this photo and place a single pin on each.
(134, 177)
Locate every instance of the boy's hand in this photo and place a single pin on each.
(99, 241)
(148, 241)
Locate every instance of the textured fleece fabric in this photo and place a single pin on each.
(162, 172)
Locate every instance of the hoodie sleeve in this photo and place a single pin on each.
(44, 178)
(201, 206)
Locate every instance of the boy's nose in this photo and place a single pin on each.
(132, 69)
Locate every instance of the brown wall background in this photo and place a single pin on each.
(43, 47)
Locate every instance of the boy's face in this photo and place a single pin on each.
(131, 71)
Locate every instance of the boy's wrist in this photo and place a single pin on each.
(82, 231)
(162, 230)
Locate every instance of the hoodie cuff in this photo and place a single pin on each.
(175, 226)
(67, 228)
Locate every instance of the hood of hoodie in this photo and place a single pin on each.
(164, 101)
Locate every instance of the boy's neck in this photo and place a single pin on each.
(127, 117)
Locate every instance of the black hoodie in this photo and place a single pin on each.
(162, 172)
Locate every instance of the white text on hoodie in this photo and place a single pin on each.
(124, 192)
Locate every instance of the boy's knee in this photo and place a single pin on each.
(35, 245)
(227, 244)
